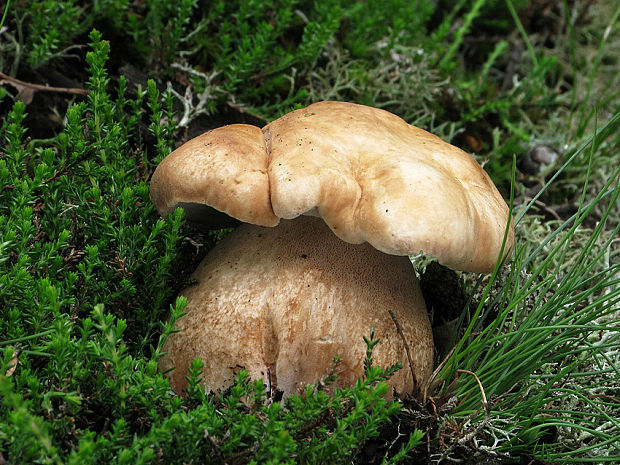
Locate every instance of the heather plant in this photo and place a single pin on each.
(78, 215)
(86, 270)
(48, 30)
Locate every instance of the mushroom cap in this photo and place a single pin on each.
(371, 177)
(282, 302)
(221, 170)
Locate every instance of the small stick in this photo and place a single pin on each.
(39, 87)
(431, 380)
(484, 397)
(485, 406)
(215, 448)
(399, 330)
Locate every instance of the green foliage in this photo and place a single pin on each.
(393, 21)
(77, 222)
(555, 326)
(253, 50)
(106, 405)
(52, 26)
(472, 14)
(79, 381)
(88, 269)
(49, 30)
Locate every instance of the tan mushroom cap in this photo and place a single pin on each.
(225, 169)
(282, 302)
(374, 178)
(371, 177)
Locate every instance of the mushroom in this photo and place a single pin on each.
(335, 196)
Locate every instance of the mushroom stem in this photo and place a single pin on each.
(282, 302)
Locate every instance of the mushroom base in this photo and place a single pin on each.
(282, 302)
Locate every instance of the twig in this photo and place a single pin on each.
(548, 209)
(399, 330)
(606, 397)
(485, 406)
(484, 397)
(241, 455)
(39, 87)
(215, 448)
(528, 195)
(431, 381)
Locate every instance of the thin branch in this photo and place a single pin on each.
(486, 420)
(215, 448)
(39, 87)
(402, 335)
(485, 406)
(430, 383)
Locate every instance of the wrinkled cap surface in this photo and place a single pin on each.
(371, 177)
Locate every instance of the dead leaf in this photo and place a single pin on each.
(24, 93)
(13, 364)
(474, 143)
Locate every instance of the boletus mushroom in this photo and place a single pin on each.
(334, 198)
